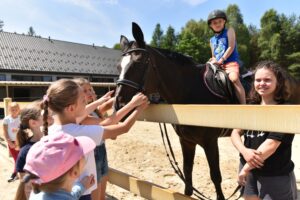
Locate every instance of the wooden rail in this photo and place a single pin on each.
(278, 118)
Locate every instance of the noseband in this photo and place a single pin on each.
(129, 83)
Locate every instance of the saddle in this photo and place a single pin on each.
(218, 83)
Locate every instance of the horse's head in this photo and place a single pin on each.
(133, 66)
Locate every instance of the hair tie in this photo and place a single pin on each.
(45, 98)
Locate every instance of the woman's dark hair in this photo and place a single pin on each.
(60, 95)
(281, 92)
(32, 111)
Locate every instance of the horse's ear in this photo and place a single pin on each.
(124, 43)
(138, 35)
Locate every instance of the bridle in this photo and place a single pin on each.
(139, 87)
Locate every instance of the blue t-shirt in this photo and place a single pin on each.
(219, 43)
(21, 160)
(58, 195)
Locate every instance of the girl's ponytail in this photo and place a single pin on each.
(22, 135)
(45, 115)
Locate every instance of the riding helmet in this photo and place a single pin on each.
(216, 14)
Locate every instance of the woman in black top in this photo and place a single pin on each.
(266, 169)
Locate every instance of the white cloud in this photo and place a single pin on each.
(86, 4)
(194, 2)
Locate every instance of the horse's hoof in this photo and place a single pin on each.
(188, 191)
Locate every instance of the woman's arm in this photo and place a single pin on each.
(252, 156)
(268, 147)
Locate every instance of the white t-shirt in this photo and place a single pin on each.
(95, 132)
(13, 125)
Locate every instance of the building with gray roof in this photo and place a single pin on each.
(29, 58)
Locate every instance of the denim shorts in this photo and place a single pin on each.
(101, 161)
(271, 187)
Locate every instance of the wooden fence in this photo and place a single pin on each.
(282, 118)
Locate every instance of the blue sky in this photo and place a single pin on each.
(103, 21)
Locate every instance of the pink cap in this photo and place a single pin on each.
(55, 154)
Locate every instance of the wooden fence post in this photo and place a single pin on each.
(6, 102)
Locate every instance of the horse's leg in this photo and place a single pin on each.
(188, 152)
(211, 150)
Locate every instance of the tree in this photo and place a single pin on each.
(1, 25)
(294, 68)
(194, 41)
(117, 46)
(254, 51)
(269, 38)
(157, 36)
(169, 40)
(31, 32)
(235, 20)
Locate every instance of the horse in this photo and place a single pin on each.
(178, 80)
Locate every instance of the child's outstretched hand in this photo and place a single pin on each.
(105, 97)
(88, 181)
(144, 105)
(138, 99)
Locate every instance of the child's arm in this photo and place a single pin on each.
(6, 137)
(213, 58)
(92, 106)
(113, 131)
(231, 45)
(136, 100)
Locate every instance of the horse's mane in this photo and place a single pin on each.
(181, 59)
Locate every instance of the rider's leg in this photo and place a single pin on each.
(239, 89)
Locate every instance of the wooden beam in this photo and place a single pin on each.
(278, 118)
(143, 188)
(45, 84)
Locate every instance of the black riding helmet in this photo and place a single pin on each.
(216, 14)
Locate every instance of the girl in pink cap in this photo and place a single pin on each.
(66, 98)
(54, 163)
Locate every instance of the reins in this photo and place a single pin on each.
(177, 170)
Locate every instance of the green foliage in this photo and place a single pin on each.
(169, 40)
(157, 36)
(294, 68)
(117, 46)
(194, 41)
(277, 39)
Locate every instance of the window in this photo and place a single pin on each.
(30, 78)
(2, 77)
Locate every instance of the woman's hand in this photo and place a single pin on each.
(253, 158)
(242, 178)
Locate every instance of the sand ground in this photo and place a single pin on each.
(141, 153)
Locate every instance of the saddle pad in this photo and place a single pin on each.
(218, 83)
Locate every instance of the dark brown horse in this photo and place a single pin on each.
(179, 81)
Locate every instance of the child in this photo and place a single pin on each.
(54, 163)
(67, 100)
(28, 134)
(11, 125)
(224, 50)
(266, 166)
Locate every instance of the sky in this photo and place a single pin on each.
(102, 22)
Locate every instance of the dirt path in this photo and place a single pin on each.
(141, 153)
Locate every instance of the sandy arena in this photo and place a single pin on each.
(141, 153)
